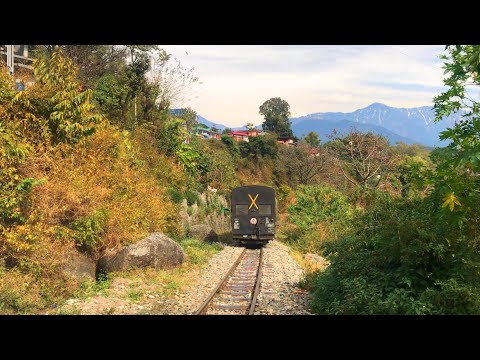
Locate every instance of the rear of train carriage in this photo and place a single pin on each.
(253, 214)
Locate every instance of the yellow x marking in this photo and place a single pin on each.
(253, 201)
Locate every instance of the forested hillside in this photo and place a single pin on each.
(92, 159)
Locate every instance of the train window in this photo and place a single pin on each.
(241, 209)
(264, 210)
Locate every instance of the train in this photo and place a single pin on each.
(253, 214)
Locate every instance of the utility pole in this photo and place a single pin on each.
(135, 108)
(10, 59)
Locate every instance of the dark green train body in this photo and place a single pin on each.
(253, 214)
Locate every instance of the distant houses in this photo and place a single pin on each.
(244, 135)
(205, 132)
(285, 141)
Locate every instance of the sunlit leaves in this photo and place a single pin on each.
(57, 102)
(450, 200)
(458, 164)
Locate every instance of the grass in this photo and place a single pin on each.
(310, 269)
(198, 252)
(134, 295)
(89, 288)
(163, 282)
(148, 281)
(71, 310)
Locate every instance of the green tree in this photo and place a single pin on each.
(171, 136)
(413, 168)
(189, 117)
(312, 139)
(231, 144)
(92, 61)
(276, 113)
(259, 146)
(125, 88)
(458, 164)
(56, 102)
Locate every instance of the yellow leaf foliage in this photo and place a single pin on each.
(450, 200)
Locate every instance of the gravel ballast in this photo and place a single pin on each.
(279, 293)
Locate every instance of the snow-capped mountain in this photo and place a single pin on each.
(325, 127)
(412, 123)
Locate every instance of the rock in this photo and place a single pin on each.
(316, 260)
(71, 301)
(78, 265)
(157, 250)
(203, 232)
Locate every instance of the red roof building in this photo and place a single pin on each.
(285, 141)
(243, 135)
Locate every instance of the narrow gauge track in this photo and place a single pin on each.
(237, 291)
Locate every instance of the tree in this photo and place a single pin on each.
(458, 164)
(250, 126)
(189, 117)
(117, 90)
(231, 144)
(171, 79)
(362, 158)
(92, 61)
(302, 166)
(312, 139)
(412, 168)
(259, 146)
(276, 113)
(56, 102)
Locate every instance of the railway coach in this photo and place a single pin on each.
(253, 214)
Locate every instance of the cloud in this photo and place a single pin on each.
(237, 79)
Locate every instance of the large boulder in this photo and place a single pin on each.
(203, 232)
(157, 250)
(78, 265)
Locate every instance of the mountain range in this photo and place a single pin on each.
(410, 125)
(209, 123)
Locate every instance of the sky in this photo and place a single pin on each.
(234, 80)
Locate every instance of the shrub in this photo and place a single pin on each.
(89, 230)
(191, 197)
(317, 203)
(401, 256)
(319, 213)
(175, 195)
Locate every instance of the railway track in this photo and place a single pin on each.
(237, 291)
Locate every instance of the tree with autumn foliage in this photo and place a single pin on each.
(363, 159)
